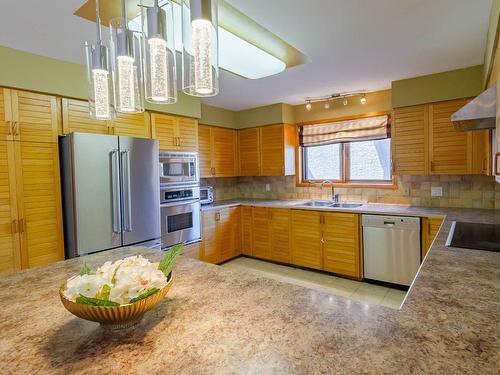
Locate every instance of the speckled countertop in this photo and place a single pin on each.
(218, 321)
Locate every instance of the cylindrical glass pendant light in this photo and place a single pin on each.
(98, 77)
(200, 56)
(160, 68)
(126, 58)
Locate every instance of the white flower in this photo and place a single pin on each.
(88, 285)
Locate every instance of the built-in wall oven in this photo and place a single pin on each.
(179, 168)
(180, 215)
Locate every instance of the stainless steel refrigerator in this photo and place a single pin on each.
(111, 192)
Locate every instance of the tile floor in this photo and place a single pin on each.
(355, 290)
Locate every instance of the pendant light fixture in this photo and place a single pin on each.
(200, 57)
(98, 76)
(127, 65)
(160, 69)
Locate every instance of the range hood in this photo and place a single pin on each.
(478, 114)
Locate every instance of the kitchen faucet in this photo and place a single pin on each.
(335, 197)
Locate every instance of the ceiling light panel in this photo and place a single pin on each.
(235, 54)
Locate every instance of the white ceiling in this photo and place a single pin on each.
(351, 44)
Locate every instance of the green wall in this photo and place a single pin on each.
(28, 71)
(269, 114)
(460, 83)
(216, 116)
(491, 40)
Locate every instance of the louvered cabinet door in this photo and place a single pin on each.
(209, 252)
(272, 151)
(187, 134)
(280, 235)
(261, 239)
(430, 228)
(227, 233)
(10, 255)
(224, 150)
(39, 203)
(76, 118)
(132, 125)
(450, 151)
(246, 230)
(35, 117)
(164, 129)
(205, 151)
(306, 239)
(249, 155)
(6, 128)
(410, 140)
(341, 244)
(481, 152)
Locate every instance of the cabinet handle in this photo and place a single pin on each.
(497, 172)
(22, 226)
(16, 128)
(178, 141)
(483, 165)
(15, 226)
(9, 127)
(212, 170)
(432, 166)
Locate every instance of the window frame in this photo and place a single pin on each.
(345, 181)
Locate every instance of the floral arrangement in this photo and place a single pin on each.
(122, 282)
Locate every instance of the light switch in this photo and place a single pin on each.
(268, 187)
(436, 191)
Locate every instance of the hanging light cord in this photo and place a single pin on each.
(124, 12)
(98, 22)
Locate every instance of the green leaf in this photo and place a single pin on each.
(113, 278)
(168, 261)
(95, 301)
(144, 295)
(85, 270)
(103, 293)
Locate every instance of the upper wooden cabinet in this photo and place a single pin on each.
(249, 152)
(76, 118)
(217, 149)
(425, 142)
(175, 133)
(131, 125)
(29, 117)
(267, 151)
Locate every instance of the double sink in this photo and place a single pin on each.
(330, 204)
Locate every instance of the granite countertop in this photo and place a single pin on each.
(220, 321)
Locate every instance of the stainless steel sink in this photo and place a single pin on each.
(330, 204)
(316, 204)
(346, 205)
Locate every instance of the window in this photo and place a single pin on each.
(349, 162)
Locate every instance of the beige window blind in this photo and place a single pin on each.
(363, 129)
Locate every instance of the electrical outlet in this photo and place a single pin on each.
(268, 187)
(436, 191)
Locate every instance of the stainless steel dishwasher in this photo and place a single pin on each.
(391, 248)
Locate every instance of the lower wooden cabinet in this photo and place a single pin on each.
(261, 235)
(31, 232)
(280, 228)
(221, 235)
(430, 227)
(341, 244)
(307, 239)
(246, 230)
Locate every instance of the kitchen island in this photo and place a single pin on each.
(218, 321)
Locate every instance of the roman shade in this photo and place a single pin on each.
(363, 129)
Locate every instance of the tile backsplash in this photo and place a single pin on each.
(457, 191)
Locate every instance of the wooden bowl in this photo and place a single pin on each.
(115, 317)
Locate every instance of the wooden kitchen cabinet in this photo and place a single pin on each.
(249, 152)
(307, 239)
(175, 133)
(424, 141)
(430, 227)
(341, 244)
(267, 150)
(29, 117)
(76, 118)
(131, 125)
(221, 235)
(261, 235)
(246, 230)
(280, 228)
(409, 140)
(217, 151)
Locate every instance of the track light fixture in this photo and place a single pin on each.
(328, 100)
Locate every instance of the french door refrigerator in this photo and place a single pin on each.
(110, 190)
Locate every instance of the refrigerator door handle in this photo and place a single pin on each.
(127, 200)
(115, 177)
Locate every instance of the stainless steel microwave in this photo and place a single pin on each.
(179, 168)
